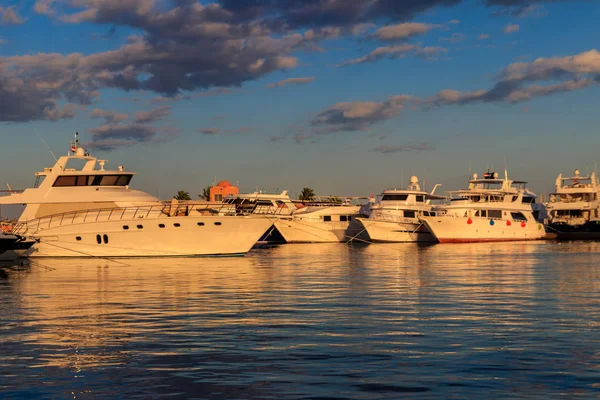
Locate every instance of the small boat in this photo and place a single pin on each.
(13, 247)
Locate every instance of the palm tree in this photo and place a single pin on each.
(182, 195)
(205, 193)
(307, 194)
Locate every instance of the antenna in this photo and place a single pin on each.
(48, 147)
(470, 173)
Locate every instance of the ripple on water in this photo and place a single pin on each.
(308, 322)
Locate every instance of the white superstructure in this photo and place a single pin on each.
(574, 208)
(491, 209)
(396, 217)
(92, 212)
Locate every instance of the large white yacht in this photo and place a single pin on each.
(92, 212)
(574, 208)
(396, 217)
(324, 219)
(490, 210)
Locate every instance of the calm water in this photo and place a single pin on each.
(308, 322)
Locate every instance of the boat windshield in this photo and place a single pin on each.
(92, 180)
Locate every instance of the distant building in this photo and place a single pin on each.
(222, 189)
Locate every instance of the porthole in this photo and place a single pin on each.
(217, 223)
(99, 239)
(176, 225)
(105, 237)
(161, 225)
(78, 238)
(200, 223)
(125, 227)
(140, 226)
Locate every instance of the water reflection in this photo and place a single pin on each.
(306, 321)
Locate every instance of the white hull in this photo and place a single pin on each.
(304, 231)
(396, 232)
(451, 229)
(233, 236)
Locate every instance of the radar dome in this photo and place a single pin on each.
(576, 172)
(414, 180)
(475, 176)
(495, 175)
(80, 152)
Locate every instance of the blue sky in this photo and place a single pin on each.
(345, 96)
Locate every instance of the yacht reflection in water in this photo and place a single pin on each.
(319, 315)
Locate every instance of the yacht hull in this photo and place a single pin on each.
(195, 236)
(320, 232)
(588, 231)
(459, 230)
(382, 231)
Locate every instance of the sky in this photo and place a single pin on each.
(348, 97)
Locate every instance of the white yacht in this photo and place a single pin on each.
(271, 205)
(490, 210)
(92, 212)
(396, 217)
(323, 222)
(325, 219)
(574, 208)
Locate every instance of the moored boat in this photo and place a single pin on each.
(396, 217)
(93, 212)
(490, 210)
(574, 208)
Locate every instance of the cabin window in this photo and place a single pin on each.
(124, 180)
(217, 223)
(420, 198)
(494, 214)
(327, 218)
(65, 181)
(394, 197)
(105, 237)
(92, 180)
(125, 227)
(176, 225)
(140, 226)
(161, 225)
(409, 214)
(481, 213)
(517, 216)
(78, 238)
(98, 239)
(200, 223)
(514, 198)
(528, 199)
(343, 218)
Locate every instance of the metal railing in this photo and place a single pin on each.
(163, 210)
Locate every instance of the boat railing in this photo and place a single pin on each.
(162, 210)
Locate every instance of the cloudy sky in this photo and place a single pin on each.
(345, 96)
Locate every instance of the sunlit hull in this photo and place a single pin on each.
(451, 229)
(195, 236)
(303, 231)
(383, 231)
